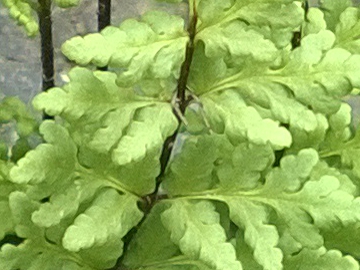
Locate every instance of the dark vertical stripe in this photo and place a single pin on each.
(47, 49)
(104, 17)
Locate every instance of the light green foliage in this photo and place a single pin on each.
(264, 95)
(320, 259)
(198, 243)
(345, 23)
(332, 10)
(150, 48)
(223, 23)
(263, 172)
(343, 238)
(315, 22)
(338, 141)
(348, 30)
(24, 12)
(35, 252)
(70, 188)
(6, 187)
(152, 244)
(67, 3)
(244, 121)
(244, 253)
(211, 161)
(18, 129)
(102, 226)
(195, 228)
(134, 125)
(303, 203)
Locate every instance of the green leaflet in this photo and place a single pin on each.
(64, 205)
(223, 24)
(344, 238)
(338, 141)
(68, 186)
(57, 182)
(321, 199)
(150, 48)
(308, 78)
(227, 112)
(220, 41)
(6, 187)
(35, 252)
(60, 147)
(244, 253)
(23, 13)
(18, 129)
(309, 139)
(107, 118)
(196, 230)
(314, 23)
(241, 121)
(208, 161)
(301, 188)
(77, 200)
(98, 247)
(11, 108)
(149, 131)
(102, 225)
(201, 153)
(67, 3)
(152, 244)
(261, 236)
(320, 259)
(152, 247)
(332, 10)
(348, 29)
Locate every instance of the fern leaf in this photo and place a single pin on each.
(150, 48)
(35, 252)
(102, 225)
(196, 230)
(325, 259)
(6, 188)
(218, 21)
(91, 98)
(23, 13)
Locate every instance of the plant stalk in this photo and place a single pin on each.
(104, 19)
(182, 103)
(47, 48)
(185, 67)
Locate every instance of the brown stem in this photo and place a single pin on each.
(185, 68)
(182, 103)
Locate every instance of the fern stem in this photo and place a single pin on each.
(297, 36)
(47, 49)
(182, 103)
(185, 68)
(104, 19)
